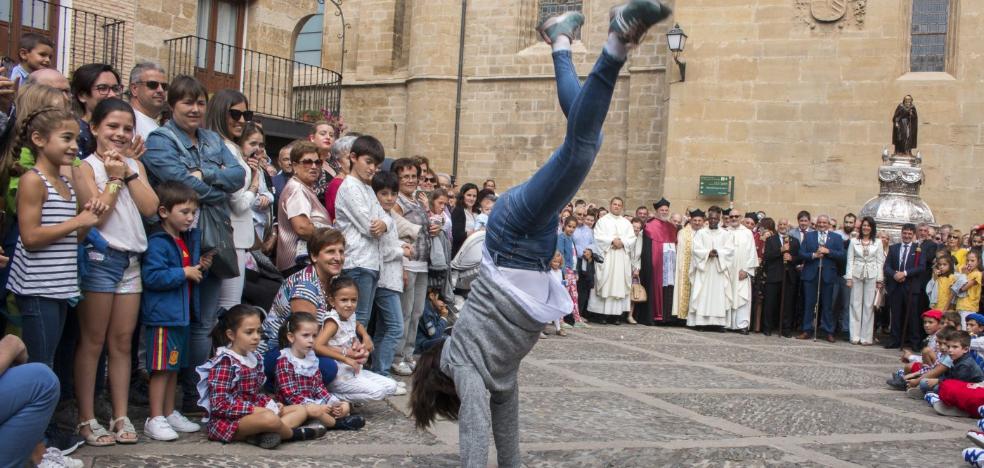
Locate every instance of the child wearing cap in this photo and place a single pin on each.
(916, 365)
(975, 326)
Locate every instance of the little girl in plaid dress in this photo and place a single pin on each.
(231, 388)
(299, 379)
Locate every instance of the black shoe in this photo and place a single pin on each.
(894, 344)
(66, 442)
(139, 393)
(766, 333)
(349, 423)
(743, 331)
(266, 440)
(308, 432)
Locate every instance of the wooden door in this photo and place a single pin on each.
(219, 48)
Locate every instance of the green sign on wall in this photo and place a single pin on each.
(717, 186)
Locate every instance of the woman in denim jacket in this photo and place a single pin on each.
(202, 162)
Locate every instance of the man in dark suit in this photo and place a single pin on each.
(781, 280)
(904, 267)
(821, 251)
(927, 249)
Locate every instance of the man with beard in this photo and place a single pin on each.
(684, 279)
(642, 213)
(781, 279)
(614, 238)
(742, 271)
(658, 269)
(712, 256)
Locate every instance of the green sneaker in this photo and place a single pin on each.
(631, 21)
(565, 24)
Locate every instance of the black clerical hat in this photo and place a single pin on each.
(697, 213)
(661, 202)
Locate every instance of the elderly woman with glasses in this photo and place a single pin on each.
(299, 211)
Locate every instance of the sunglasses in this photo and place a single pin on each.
(153, 85)
(430, 179)
(236, 115)
(309, 162)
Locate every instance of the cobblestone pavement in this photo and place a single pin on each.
(634, 396)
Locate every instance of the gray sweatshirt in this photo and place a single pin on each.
(493, 334)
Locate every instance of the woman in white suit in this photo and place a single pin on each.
(865, 259)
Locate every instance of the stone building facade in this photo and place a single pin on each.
(400, 82)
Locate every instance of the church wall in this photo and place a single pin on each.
(799, 110)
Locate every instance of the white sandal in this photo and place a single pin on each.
(126, 428)
(96, 432)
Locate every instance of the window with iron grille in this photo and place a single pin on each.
(550, 8)
(930, 22)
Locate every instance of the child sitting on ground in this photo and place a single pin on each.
(913, 365)
(231, 388)
(961, 368)
(339, 339)
(299, 379)
(951, 319)
(433, 325)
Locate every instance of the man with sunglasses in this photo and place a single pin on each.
(148, 92)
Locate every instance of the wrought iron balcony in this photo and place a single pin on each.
(276, 86)
(80, 36)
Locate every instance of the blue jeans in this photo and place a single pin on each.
(44, 320)
(927, 388)
(389, 329)
(199, 342)
(522, 229)
(30, 393)
(327, 366)
(366, 281)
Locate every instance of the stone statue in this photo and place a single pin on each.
(905, 127)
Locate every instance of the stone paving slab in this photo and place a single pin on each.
(935, 452)
(901, 401)
(601, 416)
(282, 459)
(533, 376)
(649, 376)
(816, 376)
(797, 415)
(717, 353)
(642, 333)
(841, 355)
(652, 457)
(573, 348)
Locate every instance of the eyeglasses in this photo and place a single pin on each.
(153, 85)
(236, 114)
(105, 89)
(309, 162)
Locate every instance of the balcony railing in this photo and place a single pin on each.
(276, 86)
(80, 36)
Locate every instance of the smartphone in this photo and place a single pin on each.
(8, 65)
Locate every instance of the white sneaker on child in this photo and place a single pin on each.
(400, 391)
(980, 411)
(157, 428)
(976, 437)
(53, 458)
(401, 368)
(401, 384)
(180, 423)
(974, 456)
(944, 409)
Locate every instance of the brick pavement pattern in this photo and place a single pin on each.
(640, 397)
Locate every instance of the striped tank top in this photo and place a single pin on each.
(51, 271)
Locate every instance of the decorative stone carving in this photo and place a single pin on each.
(839, 13)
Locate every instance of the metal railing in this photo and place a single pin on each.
(276, 86)
(80, 36)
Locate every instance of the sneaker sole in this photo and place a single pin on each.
(176, 437)
(975, 440)
(550, 22)
(70, 450)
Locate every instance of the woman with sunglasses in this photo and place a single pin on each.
(183, 150)
(228, 114)
(91, 83)
(300, 212)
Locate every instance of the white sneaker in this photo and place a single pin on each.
(402, 369)
(412, 364)
(401, 384)
(157, 428)
(53, 458)
(400, 390)
(180, 423)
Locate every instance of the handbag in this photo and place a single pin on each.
(638, 293)
(217, 239)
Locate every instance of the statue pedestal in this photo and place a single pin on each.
(898, 201)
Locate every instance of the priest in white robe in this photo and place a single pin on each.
(710, 263)
(742, 271)
(615, 239)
